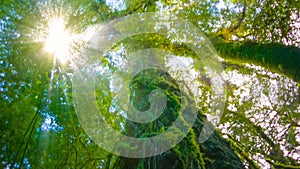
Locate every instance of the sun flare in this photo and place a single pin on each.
(58, 40)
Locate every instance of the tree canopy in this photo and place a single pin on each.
(258, 44)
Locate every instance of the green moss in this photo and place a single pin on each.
(273, 56)
(279, 165)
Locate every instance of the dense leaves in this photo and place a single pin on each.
(39, 127)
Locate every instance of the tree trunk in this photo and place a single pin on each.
(189, 153)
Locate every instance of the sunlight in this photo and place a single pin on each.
(58, 40)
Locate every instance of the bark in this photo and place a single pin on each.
(189, 153)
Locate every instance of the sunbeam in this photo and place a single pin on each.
(58, 40)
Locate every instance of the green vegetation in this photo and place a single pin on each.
(39, 126)
(271, 55)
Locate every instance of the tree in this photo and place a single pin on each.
(39, 126)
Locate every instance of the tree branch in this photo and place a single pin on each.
(241, 19)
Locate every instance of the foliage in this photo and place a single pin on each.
(39, 127)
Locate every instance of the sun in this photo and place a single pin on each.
(58, 40)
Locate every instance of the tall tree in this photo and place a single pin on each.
(39, 126)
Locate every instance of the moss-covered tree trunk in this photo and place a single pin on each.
(189, 153)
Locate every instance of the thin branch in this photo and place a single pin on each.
(107, 165)
(241, 19)
(143, 5)
(24, 137)
(280, 165)
(36, 115)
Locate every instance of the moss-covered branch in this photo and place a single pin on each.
(273, 56)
